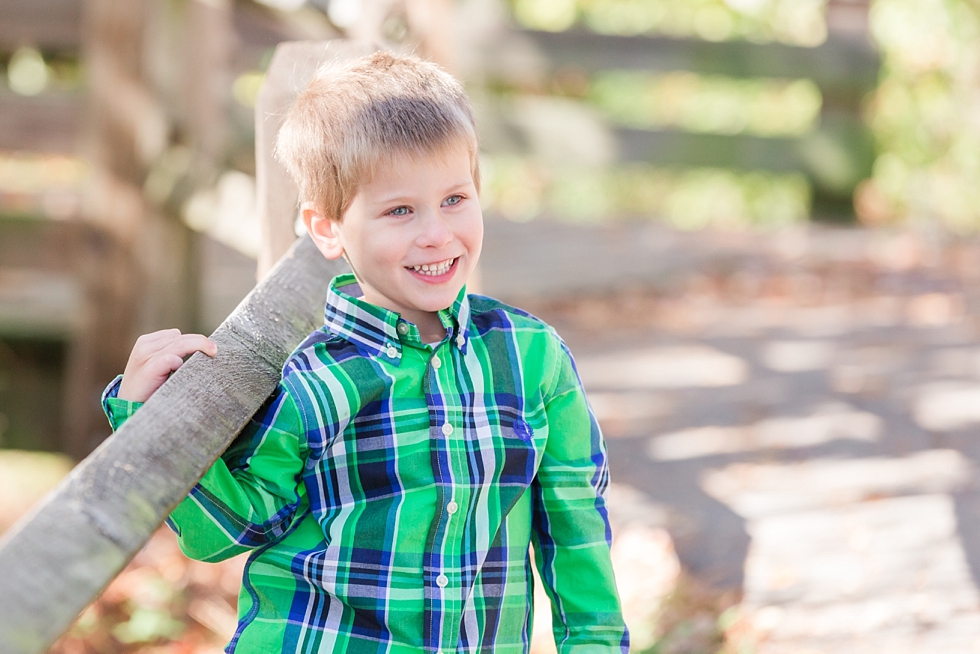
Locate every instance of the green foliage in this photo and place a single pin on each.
(148, 625)
(796, 22)
(924, 115)
(521, 189)
(27, 71)
(707, 103)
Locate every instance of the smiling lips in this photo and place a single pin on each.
(433, 270)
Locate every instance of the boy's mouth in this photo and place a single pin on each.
(437, 269)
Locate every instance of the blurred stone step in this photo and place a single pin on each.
(852, 556)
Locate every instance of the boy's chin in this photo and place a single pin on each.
(435, 307)
(438, 302)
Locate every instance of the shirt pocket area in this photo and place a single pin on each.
(520, 461)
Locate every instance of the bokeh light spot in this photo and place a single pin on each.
(27, 73)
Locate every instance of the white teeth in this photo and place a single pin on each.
(434, 269)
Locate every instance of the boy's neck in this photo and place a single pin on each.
(430, 327)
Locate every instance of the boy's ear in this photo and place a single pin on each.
(324, 232)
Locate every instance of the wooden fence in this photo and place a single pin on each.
(57, 560)
(844, 68)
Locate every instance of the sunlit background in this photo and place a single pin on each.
(701, 125)
(714, 199)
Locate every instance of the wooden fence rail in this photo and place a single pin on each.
(55, 562)
(839, 64)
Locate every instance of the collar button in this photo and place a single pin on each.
(402, 328)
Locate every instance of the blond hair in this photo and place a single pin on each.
(355, 116)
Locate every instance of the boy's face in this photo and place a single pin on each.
(412, 234)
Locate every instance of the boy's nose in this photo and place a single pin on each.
(435, 231)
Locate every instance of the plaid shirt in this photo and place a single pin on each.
(389, 490)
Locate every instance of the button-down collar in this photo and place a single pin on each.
(376, 329)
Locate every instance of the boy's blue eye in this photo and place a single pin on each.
(453, 199)
(399, 211)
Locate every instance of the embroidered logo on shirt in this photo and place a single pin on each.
(523, 430)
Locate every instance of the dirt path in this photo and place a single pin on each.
(800, 411)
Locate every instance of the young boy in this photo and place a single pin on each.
(419, 443)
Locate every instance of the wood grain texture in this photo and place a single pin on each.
(55, 562)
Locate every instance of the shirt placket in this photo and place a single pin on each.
(444, 608)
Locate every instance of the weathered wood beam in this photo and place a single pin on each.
(54, 563)
(845, 134)
(839, 63)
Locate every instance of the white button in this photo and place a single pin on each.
(447, 428)
(402, 328)
(452, 507)
(442, 581)
(392, 352)
(460, 340)
(436, 361)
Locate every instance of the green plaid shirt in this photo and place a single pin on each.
(389, 491)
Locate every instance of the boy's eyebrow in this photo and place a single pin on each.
(398, 197)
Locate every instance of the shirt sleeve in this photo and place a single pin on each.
(116, 410)
(572, 535)
(250, 496)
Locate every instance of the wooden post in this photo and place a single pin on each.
(292, 67)
(119, 108)
(849, 19)
(208, 47)
(142, 281)
(430, 30)
(55, 562)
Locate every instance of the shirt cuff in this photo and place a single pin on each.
(116, 410)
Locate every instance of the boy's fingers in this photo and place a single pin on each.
(163, 334)
(161, 366)
(149, 344)
(190, 343)
(156, 338)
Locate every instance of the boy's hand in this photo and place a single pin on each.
(154, 357)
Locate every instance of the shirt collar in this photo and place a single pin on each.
(376, 329)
